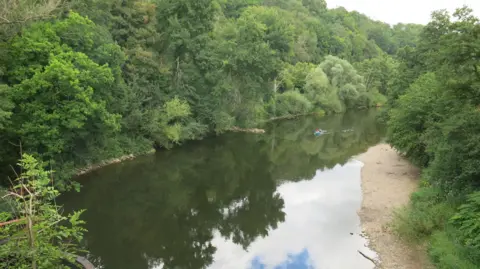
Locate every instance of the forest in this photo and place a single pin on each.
(433, 119)
(83, 81)
(86, 81)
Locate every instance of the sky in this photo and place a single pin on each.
(406, 11)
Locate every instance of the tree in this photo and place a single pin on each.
(292, 103)
(172, 124)
(35, 234)
(54, 106)
(17, 13)
(219, 58)
(186, 24)
(335, 85)
(295, 76)
(316, 7)
(378, 72)
(5, 106)
(434, 116)
(319, 90)
(410, 119)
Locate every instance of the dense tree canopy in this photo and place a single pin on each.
(434, 120)
(85, 81)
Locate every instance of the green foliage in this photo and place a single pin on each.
(295, 76)
(377, 73)
(97, 81)
(319, 90)
(336, 86)
(186, 24)
(424, 215)
(411, 118)
(5, 106)
(38, 235)
(445, 253)
(292, 103)
(315, 7)
(376, 99)
(172, 124)
(62, 102)
(279, 34)
(16, 14)
(467, 224)
(433, 119)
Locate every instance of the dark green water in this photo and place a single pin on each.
(283, 199)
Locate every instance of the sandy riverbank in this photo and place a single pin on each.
(387, 182)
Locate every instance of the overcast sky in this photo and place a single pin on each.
(407, 11)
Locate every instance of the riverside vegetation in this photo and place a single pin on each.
(86, 81)
(433, 120)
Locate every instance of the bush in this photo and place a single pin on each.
(466, 224)
(295, 76)
(377, 99)
(409, 121)
(292, 103)
(454, 240)
(424, 215)
(336, 86)
(445, 253)
(37, 235)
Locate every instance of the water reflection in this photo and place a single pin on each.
(231, 198)
(300, 261)
(316, 233)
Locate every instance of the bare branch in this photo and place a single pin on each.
(11, 222)
(12, 194)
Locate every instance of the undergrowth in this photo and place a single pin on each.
(452, 233)
(424, 215)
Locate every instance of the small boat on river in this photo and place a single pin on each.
(319, 132)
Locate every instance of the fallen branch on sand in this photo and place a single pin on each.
(368, 258)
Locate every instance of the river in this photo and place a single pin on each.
(283, 199)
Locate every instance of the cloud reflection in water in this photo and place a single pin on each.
(320, 215)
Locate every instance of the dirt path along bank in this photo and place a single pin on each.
(387, 182)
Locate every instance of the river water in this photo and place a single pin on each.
(283, 199)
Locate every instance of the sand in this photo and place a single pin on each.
(387, 182)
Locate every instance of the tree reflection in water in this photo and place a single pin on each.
(168, 206)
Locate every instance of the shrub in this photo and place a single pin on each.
(466, 224)
(377, 99)
(424, 215)
(36, 235)
(292, 103)
(445, 253)
(408, 122)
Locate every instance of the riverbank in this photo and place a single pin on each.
(387, 182)
(90, 168)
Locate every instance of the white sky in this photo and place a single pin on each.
(406, 11)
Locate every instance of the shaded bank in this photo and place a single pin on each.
(387, 182)
(93, 167)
